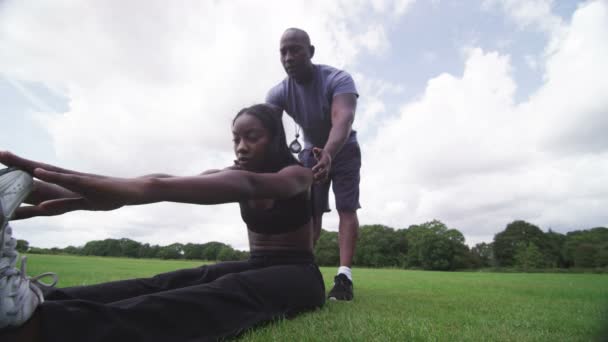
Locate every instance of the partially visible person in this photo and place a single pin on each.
(322, 100)
(200, 304)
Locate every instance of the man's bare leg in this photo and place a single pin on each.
(348, 234)
(347, 238)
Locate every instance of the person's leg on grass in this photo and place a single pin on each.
(222, 308)
(114, 291)
(348, 234)
(345, 178)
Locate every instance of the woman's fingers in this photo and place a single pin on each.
(50, 208)
(9, 159)
(26, 212)
(63, 205)
(68, 181)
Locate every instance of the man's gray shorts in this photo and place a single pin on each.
(344, 177)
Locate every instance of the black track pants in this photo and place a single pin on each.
(199, 304)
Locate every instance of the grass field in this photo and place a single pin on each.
(401, 305)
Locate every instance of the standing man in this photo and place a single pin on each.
(322, 100)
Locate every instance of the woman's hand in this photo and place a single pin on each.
(95, 193)
(98, 193)
(66, 190)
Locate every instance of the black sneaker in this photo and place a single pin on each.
(342, 290)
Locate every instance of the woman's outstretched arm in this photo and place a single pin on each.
(49, 199)
(221, 187)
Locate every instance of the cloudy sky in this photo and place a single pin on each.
(476, 113)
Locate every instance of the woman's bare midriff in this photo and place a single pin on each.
(297, 240)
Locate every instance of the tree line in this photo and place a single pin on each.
(429, 246)
(213, 251)
(434, 246)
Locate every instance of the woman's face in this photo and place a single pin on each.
(251, 141)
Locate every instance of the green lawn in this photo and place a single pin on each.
(401, 305)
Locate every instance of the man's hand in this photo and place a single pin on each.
(320, 172)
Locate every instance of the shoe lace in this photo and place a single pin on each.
(8, 253)
(8, 258)
(340, 283)
(34, 283)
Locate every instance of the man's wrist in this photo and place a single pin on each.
(330, 157)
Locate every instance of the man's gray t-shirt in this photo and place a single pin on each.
(310, 104)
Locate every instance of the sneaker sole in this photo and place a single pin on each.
(21, 183)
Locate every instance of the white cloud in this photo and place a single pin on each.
(374, 40)
(153, 87)
(533, 14)
(531, 62)
(371, 107)
(466, 153)
(526, 13)
(401, 6)
(396, 7)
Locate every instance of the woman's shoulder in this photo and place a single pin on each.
(295, 169)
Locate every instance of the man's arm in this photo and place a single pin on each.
(342, 117)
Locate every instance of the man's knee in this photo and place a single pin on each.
(349, 221)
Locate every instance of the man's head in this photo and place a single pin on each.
(296, 54)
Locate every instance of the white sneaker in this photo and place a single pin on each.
(8, 249)
(15, 185)
(20, 295)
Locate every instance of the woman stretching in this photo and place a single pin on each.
(206, 303)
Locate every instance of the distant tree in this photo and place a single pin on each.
(553, 253)
(240, 255)
(193, 251)
(380, 246)
(594, 240)
(226, 254)
(147, 251)
(601, 258)
(584, 255)
(528, 256)
(93, 248)
(129, 248)
(211, 250)
(172, 251)
(72, 250)
(111, 247)
(327, 251)
(433, 246)
(515, 234)
(483, 255)
(22, 246)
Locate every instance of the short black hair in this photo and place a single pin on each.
(270, 117)
(301, 33)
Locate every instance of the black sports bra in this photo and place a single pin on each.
(284, 216)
